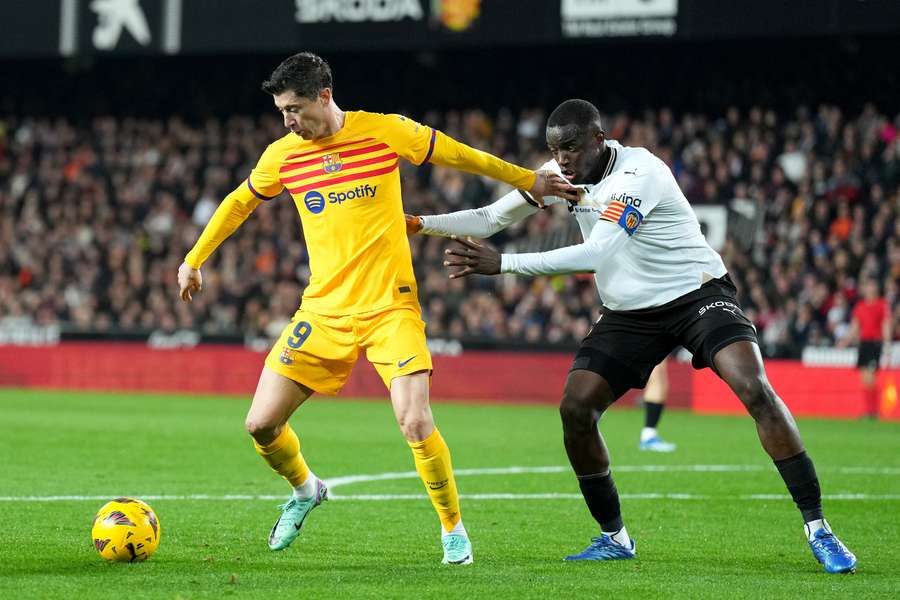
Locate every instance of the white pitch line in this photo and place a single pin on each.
(864, 470)
(418, 497)
(392, 476)
(146, 497)
(647, 496)
(517, 470)
(396, 475)
(825, 497)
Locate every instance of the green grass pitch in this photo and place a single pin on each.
(734, 534)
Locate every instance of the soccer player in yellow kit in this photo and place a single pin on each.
(341, 169)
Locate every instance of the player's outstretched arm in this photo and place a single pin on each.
(473, 257)
(588, 257)
(617, 223)
(447, 152)
(479, 222)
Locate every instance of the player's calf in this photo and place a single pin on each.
(740, 366)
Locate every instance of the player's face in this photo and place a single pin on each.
(578, 152)
(305, 117)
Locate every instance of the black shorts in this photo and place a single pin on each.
(624, 346)
(869, 355)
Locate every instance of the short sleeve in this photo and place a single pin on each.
(409, 139)
(264, 180)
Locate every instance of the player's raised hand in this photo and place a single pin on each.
(189, 280)
(548, 183)
(473, 257)
(413, 225)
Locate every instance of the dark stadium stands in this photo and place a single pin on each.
(98, 213)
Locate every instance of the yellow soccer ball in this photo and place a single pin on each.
(125, 530)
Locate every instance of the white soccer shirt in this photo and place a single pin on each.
(642, 240)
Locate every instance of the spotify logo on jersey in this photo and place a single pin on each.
(314, 201)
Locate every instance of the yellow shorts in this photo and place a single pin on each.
(319, 351)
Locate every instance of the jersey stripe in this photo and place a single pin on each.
(323, 149)
(318, 160)
(613, 211)
(430, 147)
(330, 182)
(350, 165)
(257, 194)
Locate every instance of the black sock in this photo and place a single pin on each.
(652, 413)
(799, 475)
(602, 499)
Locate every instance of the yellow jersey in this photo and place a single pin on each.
(346, 188)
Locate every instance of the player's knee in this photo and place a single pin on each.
(262, 431)
(415, 427)
(757, 395)
(576, 413)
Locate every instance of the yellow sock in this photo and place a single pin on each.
(283, 455)
(432, 458)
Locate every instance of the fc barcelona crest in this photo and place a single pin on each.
(287, 356)
(331, 163)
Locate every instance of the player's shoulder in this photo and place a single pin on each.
(362, 119)
(388, 127)
(638, 161)
(632, 155)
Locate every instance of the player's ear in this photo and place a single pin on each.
(325, 96)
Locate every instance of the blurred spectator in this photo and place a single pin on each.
(872, 328)
(95, 218)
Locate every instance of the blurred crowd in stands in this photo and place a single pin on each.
(95, 219)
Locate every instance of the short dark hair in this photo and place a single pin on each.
(306, 74)
(579, 113)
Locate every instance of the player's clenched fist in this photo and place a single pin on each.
(189, 280)
(413, 225)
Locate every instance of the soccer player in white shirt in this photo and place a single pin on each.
(662, 286)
